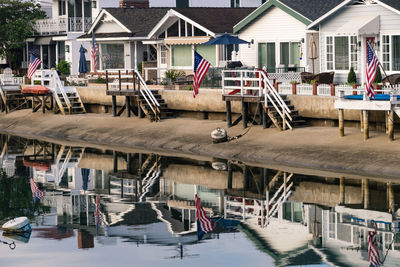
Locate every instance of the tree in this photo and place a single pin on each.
(351, 77)
(378, 77)
(17, 19)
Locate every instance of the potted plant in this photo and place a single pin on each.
(378, 81)
(64, 69)
(352, 79)
(314, 87)
(174, 74)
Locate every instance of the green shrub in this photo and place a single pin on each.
(378, 77)
(189, 88)
(100, 80)
(351, 77)
(37, 82)
(148, 82)
(174, 74)
(64, 67)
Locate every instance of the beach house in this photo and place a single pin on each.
(280, 39)
(345, 30)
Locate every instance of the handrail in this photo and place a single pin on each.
(148, 95)
(58, 84)
(65, 163)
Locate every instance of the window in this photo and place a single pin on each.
(266, 56)
(290, 53)
(112, 56)
(353, 52)
(284, 49)
(163, 55)
(182, 3)
(61, 7)
(235, 3)
(208, 52)
(182, 55)
(395, 52)
(386, 52)
(329, 53)
(341, 52)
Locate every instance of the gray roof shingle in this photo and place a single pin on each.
(313, 9)
(393, 3)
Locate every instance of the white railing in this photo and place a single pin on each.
(304, 89)
(62, 25)
(324, 90)
(148, 95)
(285, 88)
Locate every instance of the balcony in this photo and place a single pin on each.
(60, 25)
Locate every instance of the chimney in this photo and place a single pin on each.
(134, 3)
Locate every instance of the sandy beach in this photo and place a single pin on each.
(317, 148)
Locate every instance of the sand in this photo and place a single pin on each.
(314, 148)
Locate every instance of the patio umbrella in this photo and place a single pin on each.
(312, 50)
(226, 39)
(82, 61)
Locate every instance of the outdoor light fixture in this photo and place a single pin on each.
(302, 40)
(94, 4)
(67, 48)
(251, 42)
(359, 43)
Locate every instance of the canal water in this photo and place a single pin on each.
(108, 208)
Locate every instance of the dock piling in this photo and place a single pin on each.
(390, 125)
(114, 105)
(244, 114)
(366, 125)
(341, 122)
(228, 114)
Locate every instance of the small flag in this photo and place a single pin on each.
(34, 63)
(373, 253)
(37, 194)
(204, 224)
(372, 67)
(94, 50)
(201, 67)
(97, 213)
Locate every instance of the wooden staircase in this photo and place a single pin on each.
(75, 103)
(12, 98)
(163, 112)
(277, 121)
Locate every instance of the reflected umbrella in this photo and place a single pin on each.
(85, 178)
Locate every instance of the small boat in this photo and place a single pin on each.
(219, 135)
(17, 225)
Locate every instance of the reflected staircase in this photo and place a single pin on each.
(65, 156)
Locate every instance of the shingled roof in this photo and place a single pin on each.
(217, 20)
(305, 11)
(140, 21)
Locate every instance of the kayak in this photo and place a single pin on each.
(20, 224)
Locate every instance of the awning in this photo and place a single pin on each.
(186, 40)
(363, 25)
(30, 40)
(43, 41)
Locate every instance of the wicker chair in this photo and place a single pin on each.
(393, 79)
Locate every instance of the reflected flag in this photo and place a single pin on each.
(373, 253)
(201, 67)
(37, 194)
(34, 63)
(204, 224)
(372, 67)
(97, 213)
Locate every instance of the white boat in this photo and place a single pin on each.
(20, 224)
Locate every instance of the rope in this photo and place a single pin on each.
(245, 131)
(11, 245)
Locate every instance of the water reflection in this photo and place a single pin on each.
(148, 199)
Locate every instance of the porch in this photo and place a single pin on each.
(62, 25)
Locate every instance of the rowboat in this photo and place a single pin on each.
(17, 225)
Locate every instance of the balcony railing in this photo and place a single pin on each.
(59, 25)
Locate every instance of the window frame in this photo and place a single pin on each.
(350, 53)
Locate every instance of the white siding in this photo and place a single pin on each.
(251, 3)
(210, 3)
(109, 26)
(162, 3)
(389, 24)
(273, 26)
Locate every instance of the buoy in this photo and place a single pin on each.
(17, 225)
(219, 135)
(219, 165)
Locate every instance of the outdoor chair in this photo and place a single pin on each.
(306, 77)
(392, 79)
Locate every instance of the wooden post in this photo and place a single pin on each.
(333, 91)
(366, 194)
(391, 206)
(341, 122)
(245, 178)
(115, 158)
(244, 113)
(361, 121)
(43, 103)
(261, 114)
(264, 115)
(114, 105)
(366, 125)
(228, 114)
(229, 175)
(314, 88)
(390, 122)
(107, 80)
(119, 79)
(128, 106)
(129, 162)
(341, 191)
(294, 85)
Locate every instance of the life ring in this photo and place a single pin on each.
(35, 89)
(219, 135)
(20, 224)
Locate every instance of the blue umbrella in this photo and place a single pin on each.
(226, 39)
(82, 61)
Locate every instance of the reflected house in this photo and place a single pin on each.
(12, 148)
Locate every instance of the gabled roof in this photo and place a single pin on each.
(303, 10)
(217, 20)
(393, 5)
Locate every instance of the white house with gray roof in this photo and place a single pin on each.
(279, 35)
(345, 30)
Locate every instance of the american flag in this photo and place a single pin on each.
(34, 63)
(373, 253)
(37, 194)
(372, 67)
(204, 224)
(97, 213)
(201, 67)
(94, 50)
